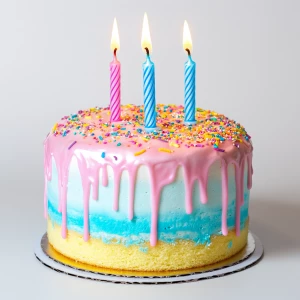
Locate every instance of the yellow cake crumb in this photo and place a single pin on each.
(164, 256)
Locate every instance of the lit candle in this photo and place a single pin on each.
(189, 79)
(149, 80)
(115, 77)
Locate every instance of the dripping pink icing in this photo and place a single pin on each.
(160, 175)
(132, 179)
(117, 179)
(104, 176)
(239, 183)
(162, 166)
(224, 172)
(250, 171)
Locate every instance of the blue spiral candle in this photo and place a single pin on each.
(149, 80)
(189, 91)
(189, 78)
(149, 94)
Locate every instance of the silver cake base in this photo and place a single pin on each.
(250, 256)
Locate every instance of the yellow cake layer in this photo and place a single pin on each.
(164, 256)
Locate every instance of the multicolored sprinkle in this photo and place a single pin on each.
(211, 129)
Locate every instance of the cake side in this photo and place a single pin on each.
(184, 185)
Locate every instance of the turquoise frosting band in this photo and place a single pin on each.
(198, 226)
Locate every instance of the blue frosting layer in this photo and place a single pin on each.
(198, 226)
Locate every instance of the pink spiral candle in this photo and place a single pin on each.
(115, 92)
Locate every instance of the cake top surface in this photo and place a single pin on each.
(212, 130)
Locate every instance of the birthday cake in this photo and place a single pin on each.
(119, 197)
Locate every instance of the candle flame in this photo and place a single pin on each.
(187, 39)
(115, 39)
(146, 38)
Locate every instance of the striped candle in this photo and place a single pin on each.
(149, 95)
(189, 78)
(115, 77)
(149, 80)
(189, 91)
(115, 94)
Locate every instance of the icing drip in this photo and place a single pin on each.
(224, 172)
(117, 178)
(239, 183)
(132, 178)
(104, 176)
(160, 175)
(93, 159)
(62, 160)
(250, 171)
(89, 172)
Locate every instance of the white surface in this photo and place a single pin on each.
(251, 256)
(54, 59)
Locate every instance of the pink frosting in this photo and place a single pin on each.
(162, 166)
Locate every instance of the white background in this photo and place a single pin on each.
(54, 60)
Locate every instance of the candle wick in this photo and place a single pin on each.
(115, 52)
(188, 51)
(147, 51)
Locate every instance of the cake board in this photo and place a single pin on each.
(246, 258)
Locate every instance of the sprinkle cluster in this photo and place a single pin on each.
(212, 129)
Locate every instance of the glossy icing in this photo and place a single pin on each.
(195, 149)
